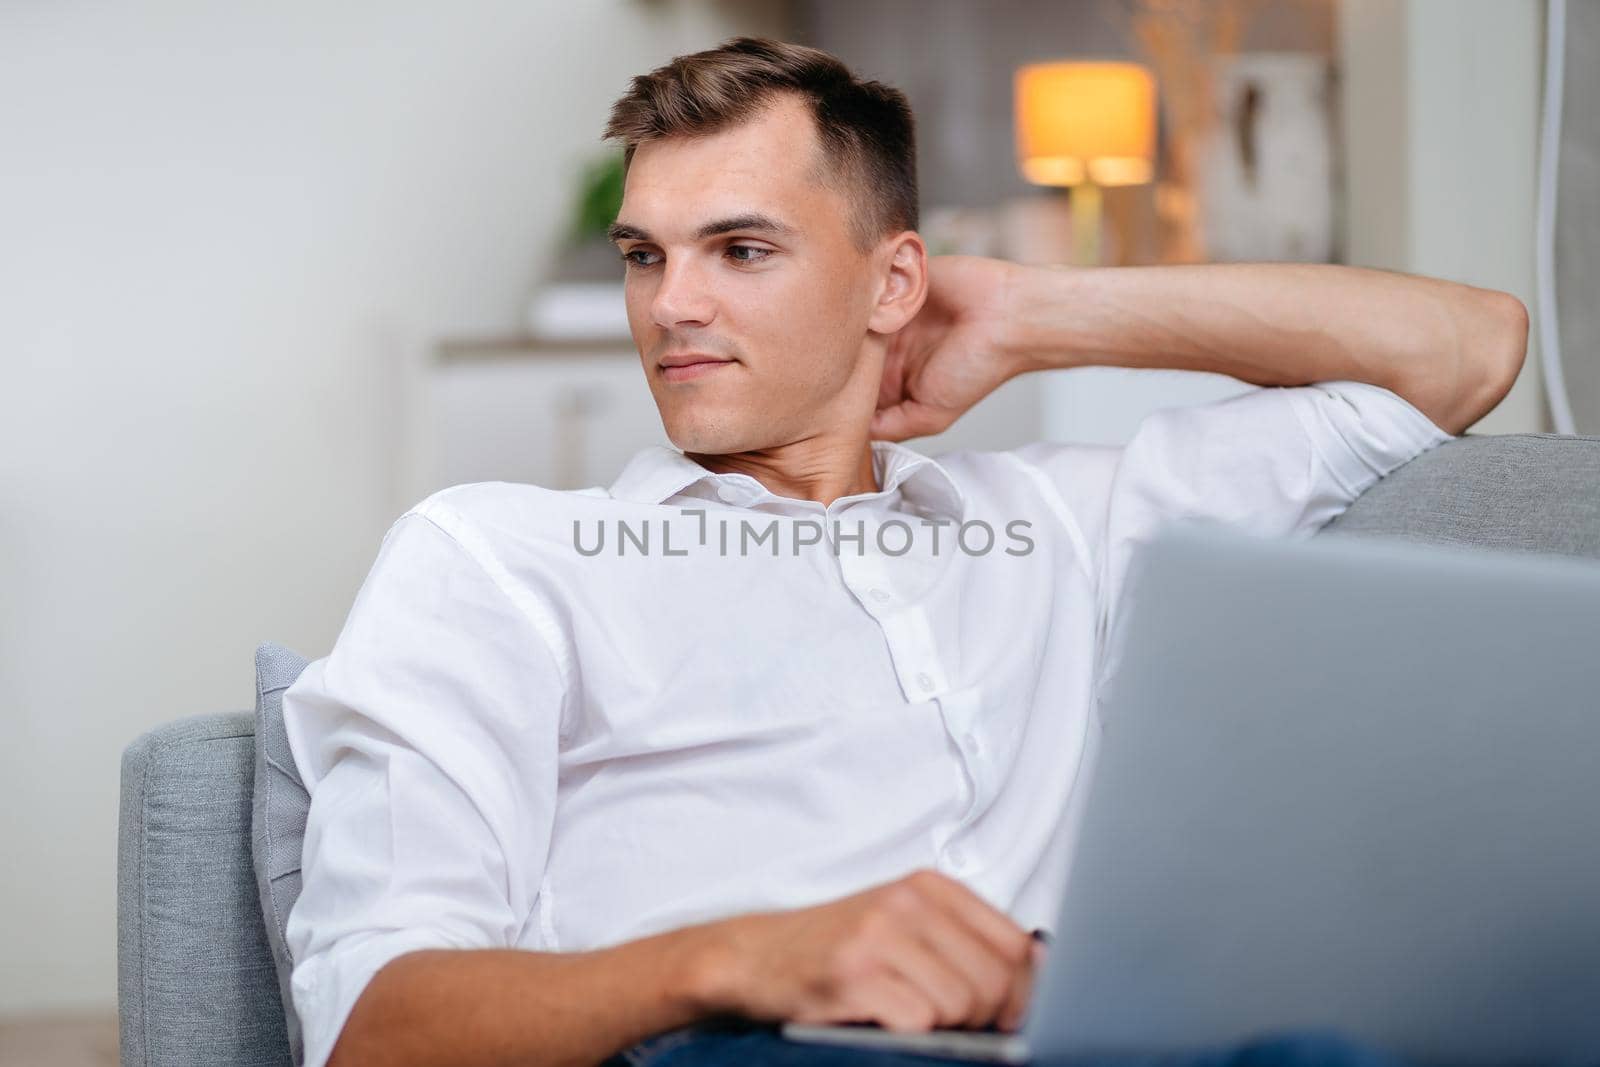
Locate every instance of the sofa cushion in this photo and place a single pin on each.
(1530, 492)
(278, 819)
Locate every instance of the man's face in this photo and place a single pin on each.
(738, 253)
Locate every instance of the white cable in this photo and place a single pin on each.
(1555, 45)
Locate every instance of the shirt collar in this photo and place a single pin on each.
(660, 472)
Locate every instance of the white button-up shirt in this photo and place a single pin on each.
(561, 720)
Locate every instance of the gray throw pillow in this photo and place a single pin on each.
(278, 819)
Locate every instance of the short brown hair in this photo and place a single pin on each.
(865, 128)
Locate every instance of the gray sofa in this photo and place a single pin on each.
(197, 983)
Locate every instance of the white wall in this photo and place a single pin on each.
(1441, 109)
(228, 233)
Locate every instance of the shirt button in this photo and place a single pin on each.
(879, 595)
(973, 744)
(925, 682)
(728, 494)
(956, 856)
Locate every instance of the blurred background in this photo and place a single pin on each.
(272, 273)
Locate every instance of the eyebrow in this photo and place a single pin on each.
(749, 221)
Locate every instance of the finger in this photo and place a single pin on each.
(892, 421)
(885, 997)
(1015, 1010)
(1010, 941)
(895, 1003)
(905, 419)
(889, 424)
(915, 957)
(989, 977)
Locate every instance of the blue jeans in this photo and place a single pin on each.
(737, 1043)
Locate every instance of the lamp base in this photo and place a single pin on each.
(1086, 208)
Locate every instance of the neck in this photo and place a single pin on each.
(822, 468)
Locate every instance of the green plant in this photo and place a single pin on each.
(599, 197)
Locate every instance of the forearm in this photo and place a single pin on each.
(1452, 350)
(504, 1006)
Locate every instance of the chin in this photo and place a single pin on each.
(711, 436)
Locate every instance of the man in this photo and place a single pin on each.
(740, 737)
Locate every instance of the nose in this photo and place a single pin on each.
(682, 296)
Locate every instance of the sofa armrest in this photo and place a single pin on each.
(195, 979)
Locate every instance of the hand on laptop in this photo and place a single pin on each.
(919, 953)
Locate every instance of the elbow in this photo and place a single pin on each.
(1497, 350)
(1509, 347)
(1491, 333)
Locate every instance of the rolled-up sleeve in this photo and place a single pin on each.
(428, 741)
(1275, 462)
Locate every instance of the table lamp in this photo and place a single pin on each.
(1085, 126)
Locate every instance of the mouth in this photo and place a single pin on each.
(691, 365)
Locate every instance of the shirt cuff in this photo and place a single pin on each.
(326, 986)
(1364, 431)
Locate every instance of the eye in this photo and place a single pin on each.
(627, 257)
(756, 256)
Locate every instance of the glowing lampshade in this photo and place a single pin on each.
(1080, 122)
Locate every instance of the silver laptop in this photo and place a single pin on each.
(1347, 786)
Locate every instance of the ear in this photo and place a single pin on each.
(904, 277)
